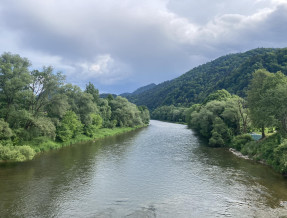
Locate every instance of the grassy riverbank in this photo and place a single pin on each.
(271, 150)
(27, 150)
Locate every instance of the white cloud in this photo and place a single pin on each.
(136, 42)
(104, 68)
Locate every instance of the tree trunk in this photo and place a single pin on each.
(263, 132)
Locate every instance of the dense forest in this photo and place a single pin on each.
(227, 99)
(39, 110)
(226, 120)
(139, 90)
(231, 72)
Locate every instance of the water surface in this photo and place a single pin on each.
(162, 170)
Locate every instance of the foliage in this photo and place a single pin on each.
(231, 72)
(5, 131)
(267, 100)
(218, 95)
(90, 88)
(239, 141)
(220, 134)
(219, 120)
(125, 113)
(38, 108)
(16, 153)
(169, 113)
(144, 114)
(14, 78)
(69, 127)
(96, 123)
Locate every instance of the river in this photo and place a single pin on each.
(162, 170)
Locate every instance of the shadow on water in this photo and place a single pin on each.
(33, 188)
(259, 178)
(163, 170)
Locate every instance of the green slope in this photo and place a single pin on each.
(231, 72)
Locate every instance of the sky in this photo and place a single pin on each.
(121, 45)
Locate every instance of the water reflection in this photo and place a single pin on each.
(159, 171)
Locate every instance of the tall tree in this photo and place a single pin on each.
(44, 87)
(256, 95)
(14, 78)
(90, 88)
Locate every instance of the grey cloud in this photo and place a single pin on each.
(149, 41)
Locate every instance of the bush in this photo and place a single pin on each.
(250, 148)
(16, 153)
(280, 157)
(239, 141)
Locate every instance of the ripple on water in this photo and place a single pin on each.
(160, 171)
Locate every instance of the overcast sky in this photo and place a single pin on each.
(120, 45)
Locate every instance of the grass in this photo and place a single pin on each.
(27, 150)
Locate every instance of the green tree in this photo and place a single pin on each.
(44, 86)
(80, 102)
(220, 134)
(262, 82)
(96, 123)
(14, 78)
(106, 112)
(275, 102)
(69, 127)
(90, 88)
(144, 114)
(218, 95)
(5, 131)
(125, 113)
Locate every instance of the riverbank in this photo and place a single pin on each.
(28, 150)
(271, 151)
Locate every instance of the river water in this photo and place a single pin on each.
(162, 170)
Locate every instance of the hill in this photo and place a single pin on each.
(139, 90)
(231, 72)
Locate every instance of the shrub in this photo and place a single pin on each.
(5, 131)
(280, 157)
(240, 140)
(16, 153)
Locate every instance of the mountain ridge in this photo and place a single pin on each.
(231, 72)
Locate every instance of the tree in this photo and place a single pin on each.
(235, 115)
(218, 95)
(96, 123)
(257, 95)
(220, 134)
(5, 131)
(90, 88)
(14, 78)
(105, 111)
(276, 102)
(125, 113)
(80, 102)
(69, 127)
(44, 87)
(144, 114)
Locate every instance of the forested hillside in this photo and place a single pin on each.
(231, 72)
(39, 110)
(227, 120)
(139, 90)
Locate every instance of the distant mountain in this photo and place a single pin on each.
(231, 72)
(139, 90)
(105, 95)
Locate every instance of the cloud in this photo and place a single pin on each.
(105, 69)
(121, 45)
